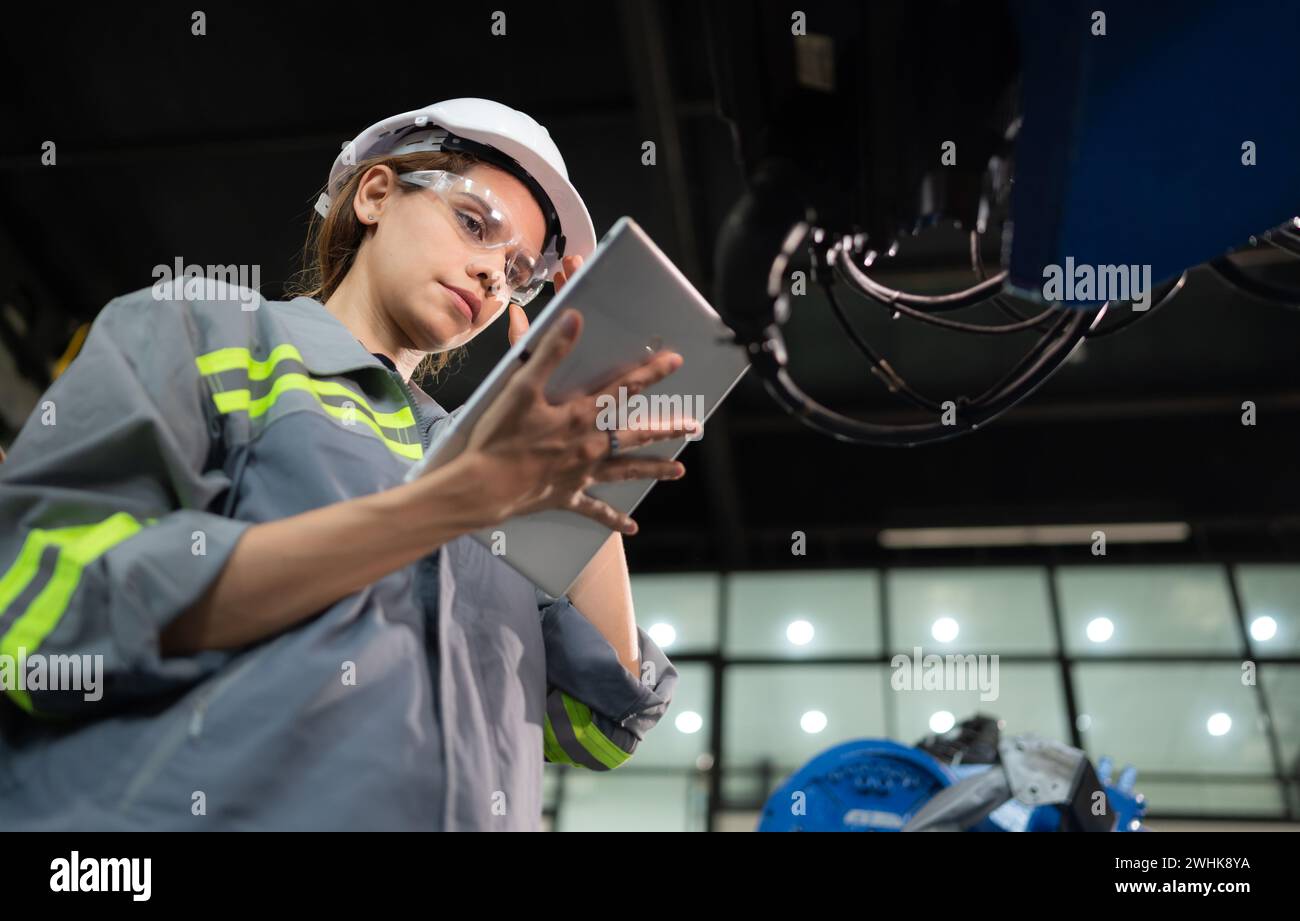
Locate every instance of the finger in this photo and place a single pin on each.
(595, 448)
(518, 323)
(603, 513)
(638, 468)
(628, 439)
(568, 265)
(557, 342)
(647, 374)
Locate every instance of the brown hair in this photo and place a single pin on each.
(333, 241)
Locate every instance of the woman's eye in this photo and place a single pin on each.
(471, 223)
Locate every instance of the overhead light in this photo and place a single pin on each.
(941, 722)
(1263, 628)
(799, 633)
(1033, 535)
(813, 722)
(945, 629)
(1100, 629)
(1218, 724)
(663, 634)
(688, 721)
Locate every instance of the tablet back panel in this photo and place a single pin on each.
(634, 302)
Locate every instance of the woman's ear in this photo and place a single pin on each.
(373, 192)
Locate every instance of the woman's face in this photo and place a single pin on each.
(416, 257)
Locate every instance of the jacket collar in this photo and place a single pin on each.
(328, 347)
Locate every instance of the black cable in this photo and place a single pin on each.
(976, 263)
(957, 300)
(1066, 330)
(1035, 352)
(857, 280)
(767, 359)
(977, 266)
(879, 366)
(1137, 315)
(1033, 358)
(895, 383)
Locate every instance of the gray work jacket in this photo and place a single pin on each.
(427, 700)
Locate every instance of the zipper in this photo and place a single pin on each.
(415, 409)
(181, 729)
(440, 638)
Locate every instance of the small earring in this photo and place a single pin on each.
(371, 218)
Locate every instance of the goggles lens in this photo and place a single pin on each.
(483, 221)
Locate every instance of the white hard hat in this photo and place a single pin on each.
(492, 132)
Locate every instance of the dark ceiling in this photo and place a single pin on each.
(213, 148)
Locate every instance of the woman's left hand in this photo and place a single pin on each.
(518, 323)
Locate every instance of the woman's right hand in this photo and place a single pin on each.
(528, 454)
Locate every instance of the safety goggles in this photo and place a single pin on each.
(483, 221)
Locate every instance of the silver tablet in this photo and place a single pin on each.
(633, 301)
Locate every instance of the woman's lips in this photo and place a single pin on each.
(466, 301)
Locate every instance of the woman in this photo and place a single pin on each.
(210, 505)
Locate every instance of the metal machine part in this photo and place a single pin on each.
(1031, 784)
(1025, 93)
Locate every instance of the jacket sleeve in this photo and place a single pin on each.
(596, 712)
(105, 533)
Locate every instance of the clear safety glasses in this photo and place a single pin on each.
(484, 222)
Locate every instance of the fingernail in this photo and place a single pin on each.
(569, 324)
(681, 471)
(632, 527)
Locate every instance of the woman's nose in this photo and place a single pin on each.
(492, 279)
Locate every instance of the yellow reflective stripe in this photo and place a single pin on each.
(21, 573)
(589, 734)
(230, 401)
(233, 359)
(240, 359)
(78, 547)
(551, 748)
(398, 420)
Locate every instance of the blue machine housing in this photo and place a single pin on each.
(878, 785)
(1131, 149)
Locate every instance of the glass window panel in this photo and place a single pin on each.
(1270, 597)
(1193, 797)
(683, 734)
(1135, 609)
(745, 788)
(769, 706)
(1281, 684)
(827, 612)
(1001, 610)
(1028, 699)
(632, 800)
(1162, 717)
(683, 606)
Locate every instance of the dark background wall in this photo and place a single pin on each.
(213, 148)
